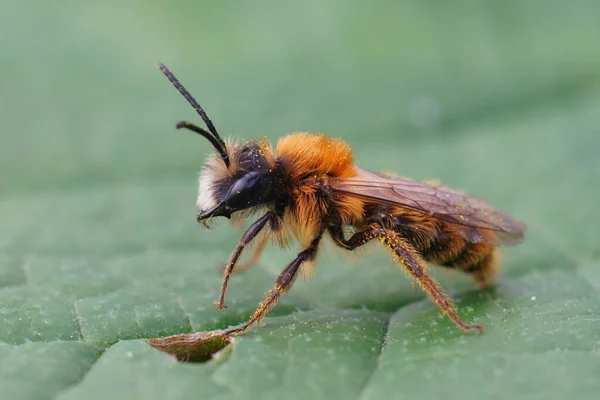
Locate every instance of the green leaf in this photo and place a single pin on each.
(99, 247)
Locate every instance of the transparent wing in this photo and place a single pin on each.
(470, 216)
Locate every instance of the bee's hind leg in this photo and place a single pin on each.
(412, 261)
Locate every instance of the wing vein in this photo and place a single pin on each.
(469, 215)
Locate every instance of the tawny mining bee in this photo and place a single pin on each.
(309, 187)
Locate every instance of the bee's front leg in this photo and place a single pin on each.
(252, 260)
(247, 237)
(282, 285)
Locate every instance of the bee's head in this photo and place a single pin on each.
(238, 177)
(245, 183)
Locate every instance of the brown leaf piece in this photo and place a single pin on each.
(193, 347)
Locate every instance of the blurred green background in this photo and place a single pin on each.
(98, 241)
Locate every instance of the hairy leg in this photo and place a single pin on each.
(283, 283)
(410, 259)
(359, 238)
(247, 237)
(415, 265)
(251, 260)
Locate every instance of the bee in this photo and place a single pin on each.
(308, 188)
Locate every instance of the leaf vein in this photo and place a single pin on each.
(376, 365)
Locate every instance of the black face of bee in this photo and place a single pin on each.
(248, 191)
(254, 186)
(252, 182)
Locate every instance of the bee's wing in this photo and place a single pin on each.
(470, 216)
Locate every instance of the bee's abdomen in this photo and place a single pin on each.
(441, 244)
(469, 256)
(477, 259)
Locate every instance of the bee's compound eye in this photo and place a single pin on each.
(245, 183)
(245, 192)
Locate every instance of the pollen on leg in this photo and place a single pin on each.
(415, 265)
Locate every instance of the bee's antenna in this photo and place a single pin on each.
(213, 137)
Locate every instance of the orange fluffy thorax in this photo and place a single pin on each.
(304, 154)
(308, 161)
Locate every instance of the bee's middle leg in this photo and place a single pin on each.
(283, 284)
